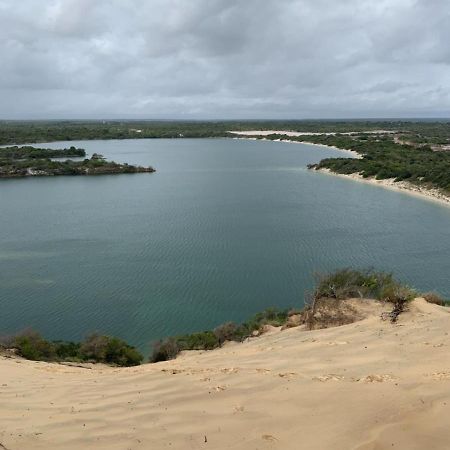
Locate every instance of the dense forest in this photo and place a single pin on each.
(29, 152)
(15, 132)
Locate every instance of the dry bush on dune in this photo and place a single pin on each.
(435, 298)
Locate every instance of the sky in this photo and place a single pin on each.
(224, 59)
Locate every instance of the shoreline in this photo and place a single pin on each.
(351, 152)
(400, 186)
(220, 399)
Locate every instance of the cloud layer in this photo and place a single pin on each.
(224, 58)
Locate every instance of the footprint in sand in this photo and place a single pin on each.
(329, 377)
(440, 376)
(230, 370)
(269, 437)
(376, 378)
(287, 375)
(220, 388)
(337, 343)
(263, 370)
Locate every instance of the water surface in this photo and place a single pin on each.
(223, 229)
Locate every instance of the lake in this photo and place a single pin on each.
(223, 229)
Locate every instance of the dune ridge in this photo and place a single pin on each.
(363, 386)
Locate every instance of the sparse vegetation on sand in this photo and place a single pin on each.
(435, 298)
(324, 308)
(332, 303)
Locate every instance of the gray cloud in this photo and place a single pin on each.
(224, 58)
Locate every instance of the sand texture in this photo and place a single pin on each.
(370, 385)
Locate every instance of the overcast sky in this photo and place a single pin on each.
(224, 58)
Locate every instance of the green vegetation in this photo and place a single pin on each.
(20, 132)
(382, 158)
(30, 161)
(210, 339)
(408, 154)
(324, 308)
(95, 348)
(29, 152)
(350, 283)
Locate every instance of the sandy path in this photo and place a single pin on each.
(368, 385)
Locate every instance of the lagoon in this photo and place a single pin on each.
(223, 229)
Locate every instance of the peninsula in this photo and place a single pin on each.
(387, 158)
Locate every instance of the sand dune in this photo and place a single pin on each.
(368, 385)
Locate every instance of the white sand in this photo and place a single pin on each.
(368, 385)
(305, 133)
(402, 186)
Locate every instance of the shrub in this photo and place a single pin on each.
(399, 295)
(120, 353)
(94, 348)
(205, 340)
(348, 283)
(169, 348)
(31, 345)
(226, 332)
(396, 293)
(270, 316)
(109, 350)
(435, 298)
(163, 350)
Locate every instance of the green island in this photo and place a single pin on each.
(30, 161)
(324, 307)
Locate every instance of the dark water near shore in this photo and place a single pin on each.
(223, 229)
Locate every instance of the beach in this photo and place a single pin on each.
(402, 186)
(363, 386)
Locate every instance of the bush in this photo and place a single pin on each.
(94, 348)
(169, 348)
(270, 316)
(435, 298)
(163, 350)
(397, 293)
(31, 345)
(109, 350)
(225, 332)
(104, 349)
(349, 283)
(205, 340)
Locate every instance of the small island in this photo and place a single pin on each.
(31, 162)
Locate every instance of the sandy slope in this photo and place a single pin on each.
(368, 385)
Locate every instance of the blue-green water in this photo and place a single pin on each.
(223, 229)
